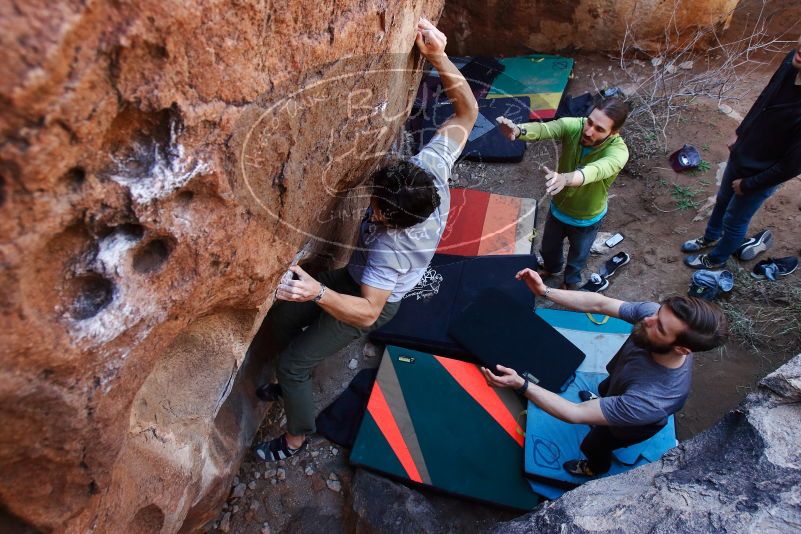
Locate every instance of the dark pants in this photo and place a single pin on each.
(732, 215)
(580, 239)
(600, 442)
(303, 349)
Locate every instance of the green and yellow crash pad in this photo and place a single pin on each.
(541, 77)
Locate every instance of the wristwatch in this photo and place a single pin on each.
(522, 131)
(522, 389)
(547, 290)
(320, 294)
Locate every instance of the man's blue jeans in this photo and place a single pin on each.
(580, 239)
(731, 216)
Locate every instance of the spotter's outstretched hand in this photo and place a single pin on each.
(508, 128)
(505, 378)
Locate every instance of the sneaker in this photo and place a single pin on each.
(771, 269)
(614, 263)
(754, 246)
(701, 261)
(596, 283)
(585, 395)
(698, 244)
(579, 468)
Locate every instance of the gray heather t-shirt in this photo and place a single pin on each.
(396, 259)
(639, 392)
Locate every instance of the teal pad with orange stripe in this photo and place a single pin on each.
(434, 421)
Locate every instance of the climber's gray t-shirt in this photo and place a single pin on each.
(396, 259)
(639, 392)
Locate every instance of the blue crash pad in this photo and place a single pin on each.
(599, 342)
(551, 442)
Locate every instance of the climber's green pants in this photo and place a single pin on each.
(304, 349)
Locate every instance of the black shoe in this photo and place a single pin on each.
(754, 246)
(585, 395)
(595, 284)
(614, 263)
(771, 269)
(579, 468)
(269, 392)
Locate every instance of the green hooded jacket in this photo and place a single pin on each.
(600, 166)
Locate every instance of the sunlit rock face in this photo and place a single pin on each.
(161, 163)
(511, 27)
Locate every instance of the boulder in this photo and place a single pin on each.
(742, 475)
(526, 26)
(161, 163)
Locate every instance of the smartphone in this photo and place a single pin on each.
(614, 240)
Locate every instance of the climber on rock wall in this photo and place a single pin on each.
(649, 377)
(593, 153)
(397, 239)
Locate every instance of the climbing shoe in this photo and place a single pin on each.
(578, 467)
(754, 246)
(614, 263)
(277, 449)
(698, 244)
(596, 283)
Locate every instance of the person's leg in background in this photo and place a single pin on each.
(714, 227)
(738, 216)
(553, 237)
(598, 446)
(581, 239)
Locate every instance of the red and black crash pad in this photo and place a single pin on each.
(499, 329)
(450, 284)
(485, 142)
(481, 223)
(434, 421)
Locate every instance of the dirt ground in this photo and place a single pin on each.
(654, 208)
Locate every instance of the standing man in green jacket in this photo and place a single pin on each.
(593, 153)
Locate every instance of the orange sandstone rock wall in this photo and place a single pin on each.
(519, 26)
(161, 163)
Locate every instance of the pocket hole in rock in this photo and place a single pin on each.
(151, 256)
(75, 177)
(185, 197)
(91, 293)
(148, 519)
